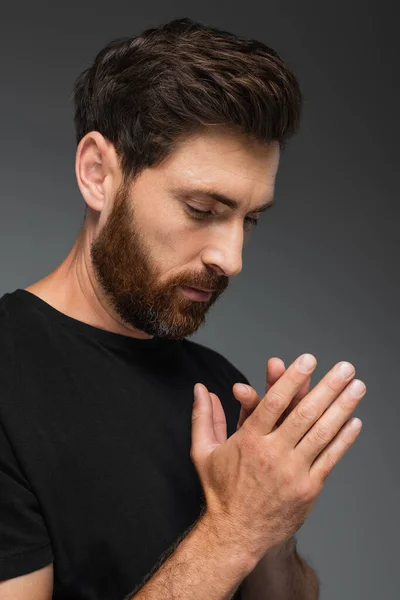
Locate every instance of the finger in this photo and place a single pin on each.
(203, 434)
(337, 448)
(219, 419)
(299, 396)
(315, 403)
(249, 400)
(279, 396)
(330, 423)
(275, 369)
(305, 388)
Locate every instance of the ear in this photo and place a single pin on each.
(97, 170)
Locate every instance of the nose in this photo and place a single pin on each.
(224, 252)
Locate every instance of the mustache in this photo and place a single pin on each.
(217, 284)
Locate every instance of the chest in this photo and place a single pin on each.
(109, 458)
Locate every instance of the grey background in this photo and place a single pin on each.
(320, 275)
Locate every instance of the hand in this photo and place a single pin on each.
(250, 399)
(261, 483)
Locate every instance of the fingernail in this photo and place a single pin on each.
(244, 388)
(344, 369)
(306, 362)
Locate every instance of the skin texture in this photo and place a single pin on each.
(263, 481)
(250, 399)
(139, 243)
(37, 585)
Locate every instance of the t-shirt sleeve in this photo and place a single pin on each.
(24, 542)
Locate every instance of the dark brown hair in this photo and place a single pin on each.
(143, 93)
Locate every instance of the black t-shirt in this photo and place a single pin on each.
(95, 435)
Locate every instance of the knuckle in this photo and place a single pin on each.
(328, 466)
(323, 433)
(304, 492)
(275, 402)
(307, 411)
(330, 385)
(345, 402)
(268, 459)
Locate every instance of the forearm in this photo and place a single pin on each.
(281, 575)
(202, 566)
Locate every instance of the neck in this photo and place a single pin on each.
(73, 290)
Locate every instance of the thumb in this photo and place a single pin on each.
(203, 435)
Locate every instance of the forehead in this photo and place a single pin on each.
(221, 158)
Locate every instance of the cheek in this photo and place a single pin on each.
(171, 237)
(178, 245)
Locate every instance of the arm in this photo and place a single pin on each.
(201, 566)
(37, 585)
(281, 575)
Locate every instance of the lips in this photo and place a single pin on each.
(196, 293)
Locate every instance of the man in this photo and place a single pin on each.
(111, 479)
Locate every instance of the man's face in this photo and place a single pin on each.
(152, 244)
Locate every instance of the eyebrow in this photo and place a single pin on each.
(231, 202)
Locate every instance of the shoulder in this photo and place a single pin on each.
(6, 336)
(19, 330)
(22, 324)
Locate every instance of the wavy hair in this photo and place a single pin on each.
(144, 93)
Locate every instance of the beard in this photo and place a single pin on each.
(126, 271)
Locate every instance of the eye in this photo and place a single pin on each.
(203, 214)
(198, 214)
